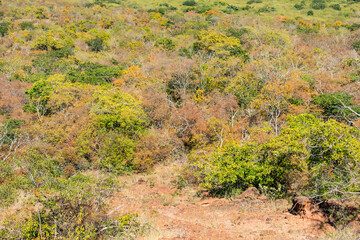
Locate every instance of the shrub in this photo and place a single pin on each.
(96, 44)
(4, 28)
(52, 61)
(237, 33)
(356, 45)
(115, 110)
(266, 9)
(40, 13)
(234, 167)
(72, 208)
(38, 96)
(318, 4)
(26, 25)
(165, 43)
(116, 153)
(310, 13)
(93, 73)
(51, 41)
(336, 7)
(254, 1)
(335, 105)
(189, 3)
(298, 6)
(353, 27)
(219, 44)
(117, 121)
(317, 157)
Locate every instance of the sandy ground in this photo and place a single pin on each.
(175, 214)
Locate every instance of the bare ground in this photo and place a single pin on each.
(175, 214)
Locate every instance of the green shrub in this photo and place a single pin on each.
(38, 96)
(234, 167)
(335, 105)
(356, 45)
(72, 208)
(231, 8)
(165, 43)
(4, 28)
(189, 3)
(96, 44)
(336, 7)
(7, 194)
(219, 44)
(326, 153)
(51, 41)
(267, 9)
(318, 4)
(93, 73)
(353, 27)
(26, 25)
(52, 61)
(298, 6)
(237, 33)
(40, 13)
(116, 153)
(254, 1)
(117, 122)
(310, 13)
(115, 110)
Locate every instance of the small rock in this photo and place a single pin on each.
(251, 193)
(267, 233)
(263, 198)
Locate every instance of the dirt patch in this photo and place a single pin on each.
(175, 214)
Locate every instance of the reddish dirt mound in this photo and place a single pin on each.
(333, 212)
(175, 214)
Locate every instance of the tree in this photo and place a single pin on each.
(338, 106)
(219, 45)
(11, 138)
(273, 103)
(309, 156)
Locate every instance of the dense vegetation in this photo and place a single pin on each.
(241, 93)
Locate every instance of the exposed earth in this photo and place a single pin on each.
(175, 214)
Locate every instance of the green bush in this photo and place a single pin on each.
(326, 153)
(310, 13)
(219, 44)
(335, 105)
(318, 4)
(38, 96)
(356, 45)
(254, 1)
(72, 208)
(93, 73)
(165, 43)
(189, 3)
(298, 6)
(266, 9)
(237, 33)
(116, 153)
(52, 61)
(117, 122)
(51, 41)
(336, 7)
(353, 27)
(4, 28)
(96, 44)
(115, 110)
(40, 13)
(26, 25)
(234, 167)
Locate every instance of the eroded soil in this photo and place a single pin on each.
(175, 214)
